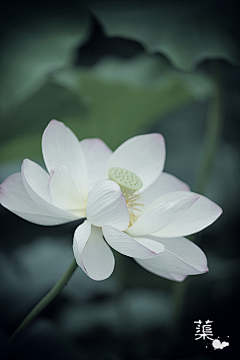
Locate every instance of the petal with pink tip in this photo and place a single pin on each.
(165, 183)
(60, 146)
(181, 256)
(92, 253)
(97, 154)
(107, 205)
(162, 212)
(144, 155)
(139, 247)
(153, 269)
(202, 214)
(15, 198)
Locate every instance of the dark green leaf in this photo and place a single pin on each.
(186, 32)
(37, 40)
(112, 100)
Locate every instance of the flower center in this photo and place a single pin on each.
(129, 184)
(127, 180)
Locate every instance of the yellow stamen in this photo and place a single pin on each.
(133, 204)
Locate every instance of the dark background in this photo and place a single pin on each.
(114, 70)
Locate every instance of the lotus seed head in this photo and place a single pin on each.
(127, 180)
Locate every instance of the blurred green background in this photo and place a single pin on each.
(115, 69)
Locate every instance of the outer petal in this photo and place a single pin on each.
(165, 183)
(64, 193)
(162, 212)
(92, 253)
(15, 198)
(107, 205)
(144, 155)
(29, 177)
(61, 147)
(138, 247)
(153, 269)
(202, 214)
(181, 256)
(97, 154)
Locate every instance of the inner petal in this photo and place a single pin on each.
(127, 180)
(64, 192)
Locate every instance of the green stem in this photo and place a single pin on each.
(210, 144)
(212, 133)
(47, 299)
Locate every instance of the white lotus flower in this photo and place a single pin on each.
(124, 195)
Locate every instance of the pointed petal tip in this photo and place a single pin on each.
(160, 136)
(220, 210)
(201, 269)
(216, 212)
(54, 120)
(52, 123)
(181, 279)
(25, 161)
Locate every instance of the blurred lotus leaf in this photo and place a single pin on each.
(112, 100)
(37, 40)
(186, 32)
